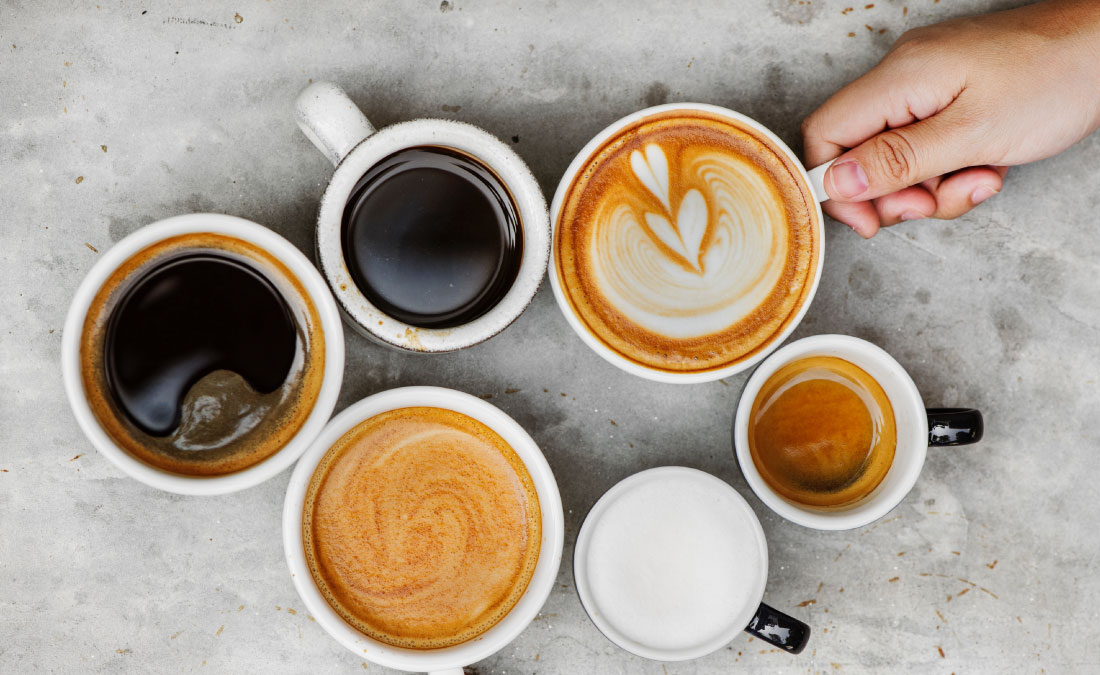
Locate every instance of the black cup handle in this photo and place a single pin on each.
(776, 628)
(954, 426)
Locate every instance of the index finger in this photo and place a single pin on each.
(904, 88)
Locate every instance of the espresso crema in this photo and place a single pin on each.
(687, 242)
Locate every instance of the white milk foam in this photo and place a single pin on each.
(732, 235)
(672, 562)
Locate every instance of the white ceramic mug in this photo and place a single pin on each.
(339, 130)
(812, 178)
(449, 660)
(640, 521)
(917, 428)
(273, 244)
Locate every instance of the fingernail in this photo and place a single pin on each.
(912, 215)
(849, 179)
(981, 193)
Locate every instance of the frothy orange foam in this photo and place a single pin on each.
(422, 527)
(687, 242)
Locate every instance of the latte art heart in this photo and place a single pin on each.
(723, 281)
(687, 243)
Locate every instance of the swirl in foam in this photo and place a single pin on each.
(422, 527)
(687, 242)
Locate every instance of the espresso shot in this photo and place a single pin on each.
(202, 355)
(432, 237)
(822, 432)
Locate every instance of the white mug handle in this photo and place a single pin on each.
(449, 671)
(817, 180)
(331, 120)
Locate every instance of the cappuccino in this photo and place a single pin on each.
(421, 527)
(687, 242)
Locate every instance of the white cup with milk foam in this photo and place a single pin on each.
(671, 564)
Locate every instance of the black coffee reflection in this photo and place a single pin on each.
(188, 317)
(431, 237)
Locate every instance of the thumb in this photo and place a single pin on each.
(898, 158)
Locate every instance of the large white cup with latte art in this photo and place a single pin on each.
(687, 242)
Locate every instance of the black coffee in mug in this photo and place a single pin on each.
(202, 355)
(188, 317)
(432, 237)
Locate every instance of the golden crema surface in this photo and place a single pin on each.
(687, 242)
(822, 432)
(422, 527)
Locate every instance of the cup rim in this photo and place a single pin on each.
(539, 587)
(889, 493)
(580, 578)
(514, 175)
(318, 294)
(609, 354)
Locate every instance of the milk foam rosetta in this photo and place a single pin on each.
(422, 527)
(687, 242)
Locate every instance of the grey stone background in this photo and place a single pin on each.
(115, 115)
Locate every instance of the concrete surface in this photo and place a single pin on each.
(115, 115)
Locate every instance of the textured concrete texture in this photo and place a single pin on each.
(115, 115)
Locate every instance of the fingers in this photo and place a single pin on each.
(904, 88)
(961, 192)
(940, 197)
(860, 216)
(898, 158)
(912, 203)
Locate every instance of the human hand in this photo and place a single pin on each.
(934, 127)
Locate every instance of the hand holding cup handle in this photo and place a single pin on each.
(817, 180)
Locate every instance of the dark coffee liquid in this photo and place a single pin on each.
(431, 237)
(186, 318)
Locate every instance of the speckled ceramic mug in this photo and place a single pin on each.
(340, 130)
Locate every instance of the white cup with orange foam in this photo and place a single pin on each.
(397, 478)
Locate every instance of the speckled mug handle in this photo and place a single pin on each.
(331, 120)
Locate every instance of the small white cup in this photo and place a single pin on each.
(448, 660)
(339, 130)
(752, 616)
(812, 178)
(275, 245)
(917, 428)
